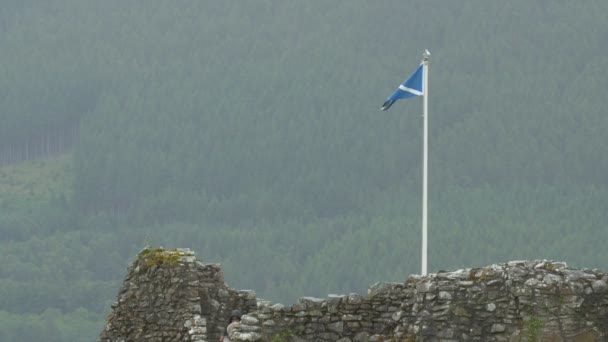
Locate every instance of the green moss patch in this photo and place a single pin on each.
(159, 256)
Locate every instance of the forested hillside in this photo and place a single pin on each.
(250, 132)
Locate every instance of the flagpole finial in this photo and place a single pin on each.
(426, 55)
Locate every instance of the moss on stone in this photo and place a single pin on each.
(534, 326)
(478, 274)
(549, 266)
(158, 256)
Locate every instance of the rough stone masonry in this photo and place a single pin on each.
(170, 296)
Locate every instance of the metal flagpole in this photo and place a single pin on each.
(425, 158)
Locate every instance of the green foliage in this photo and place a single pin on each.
(50, 325)
(533, 326)
(283, 336)
(37, 180)
(250, 134)
(158, 256)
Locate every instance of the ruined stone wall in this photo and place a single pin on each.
(185, 300)
(517, 301)
(170, 296)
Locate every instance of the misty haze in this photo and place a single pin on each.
(250, 132)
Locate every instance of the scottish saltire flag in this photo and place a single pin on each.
(410, 88)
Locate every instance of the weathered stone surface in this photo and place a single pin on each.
(169, 296)
(337, 327)
(172, 297)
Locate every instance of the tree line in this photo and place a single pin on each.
(251, 134)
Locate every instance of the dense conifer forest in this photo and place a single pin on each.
(250, 132)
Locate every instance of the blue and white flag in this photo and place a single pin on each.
(411, 87)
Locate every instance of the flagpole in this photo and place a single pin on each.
(425, 161)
